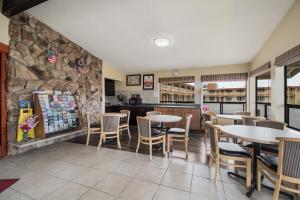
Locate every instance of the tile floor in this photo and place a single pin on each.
(68, 171)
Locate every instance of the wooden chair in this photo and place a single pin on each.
(91, 128)
(180, 135)
(269, 148)
(208, 116)
(156, 125)
(286, 172)
(222, 152)
(249, 120)
(243, 113)
(124, 122)
(145, 135)
(110, 128)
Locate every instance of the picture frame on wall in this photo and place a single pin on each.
(133, 80)
(148, 82)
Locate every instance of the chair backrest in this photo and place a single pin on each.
(289, 157)
(222, 121)
(213, 137)
(270, 124)
(243, 113)
(188, 119)
(127, 118)
(211, 113)
(110, 123)
(149, 113)
(144, 126)
(95, 116)
(249, 120)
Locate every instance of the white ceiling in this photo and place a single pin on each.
(203, 32)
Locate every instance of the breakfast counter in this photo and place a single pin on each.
(168, 109)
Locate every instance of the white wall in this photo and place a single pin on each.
(284, 37)
(4, 37)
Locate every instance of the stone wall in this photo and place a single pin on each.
(29, 70)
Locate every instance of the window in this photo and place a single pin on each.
(263, 95)
(177, 92)
(292, 95)
(225, 96)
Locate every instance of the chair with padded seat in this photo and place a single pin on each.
(110, 128)
(156, 125)
(242, 113)
(249, 120)
(124, 122)
(146, 137)
(222, 152)
(269, 148)
(284, 170)
(91, 128)
(180, 135)
(207, 116)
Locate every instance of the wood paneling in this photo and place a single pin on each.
(13, 7)
(3, 116)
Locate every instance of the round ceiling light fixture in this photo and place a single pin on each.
(162, 41)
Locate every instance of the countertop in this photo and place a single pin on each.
(162, 105)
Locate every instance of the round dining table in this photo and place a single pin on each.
(235, 118)
(118, 114)
(257, 135)
(164, 119)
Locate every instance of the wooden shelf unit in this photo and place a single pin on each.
(64, 122)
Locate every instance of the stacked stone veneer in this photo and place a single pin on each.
(28, 68)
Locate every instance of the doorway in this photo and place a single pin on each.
(3, 113)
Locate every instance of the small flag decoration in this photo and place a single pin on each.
(51, 56)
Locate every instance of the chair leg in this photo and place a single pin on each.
(150, 148)
(168, 143)
(100, 142)
(258, 178)
(118, 140)
(186, 148)
(248, 173)
(138, 145)
(164, 145)
(128, 131)
(210, 161)
(217, 169)
(88, 138)
(277, 189)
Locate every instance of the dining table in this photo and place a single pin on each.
(236, 118)
(163, 119)
(257, 135)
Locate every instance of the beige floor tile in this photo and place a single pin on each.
(181, 166)
(113, 184)
(91, 177)
(205, 171)
(129, 169)
(151, 174)
(10, 194)
(72, 172)
(158, 162)
(37, 185)
(48, 166)
(231, 179)
(94, 194)
(69, 191)
(139, 190)
(237, 192)
(167, 193)
(177, 180)
(207, 188)
(108, 164)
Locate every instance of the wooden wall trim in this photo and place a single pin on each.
(3, 48)
(288, 57)
(3, 110)
(264, 67)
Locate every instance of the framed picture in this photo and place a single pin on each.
(148, 81)
(133, 80)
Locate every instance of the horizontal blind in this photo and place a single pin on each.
(177, 79)
(288, 57)
(224, 77)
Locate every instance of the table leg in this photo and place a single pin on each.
(256, 153)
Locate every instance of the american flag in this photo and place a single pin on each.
(51, 56)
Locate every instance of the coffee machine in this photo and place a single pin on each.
(135, 99)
